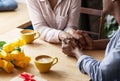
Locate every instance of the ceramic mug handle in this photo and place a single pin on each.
(37, 35)
(55, 60)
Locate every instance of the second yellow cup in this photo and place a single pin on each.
(45, 62)
(29, 35)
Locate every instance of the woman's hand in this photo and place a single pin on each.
(83, 39)
(64, 35)
(77, 34)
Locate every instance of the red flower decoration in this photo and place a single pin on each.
(27, 76)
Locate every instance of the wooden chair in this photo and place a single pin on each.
(95, 12)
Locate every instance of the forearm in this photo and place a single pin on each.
(88, 65)
(77, 53)
(71, 31)
(100, 44)
(48, 34)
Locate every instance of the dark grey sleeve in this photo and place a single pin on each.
(6, 5)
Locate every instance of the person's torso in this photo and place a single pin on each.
(57, 17)
(114, 41)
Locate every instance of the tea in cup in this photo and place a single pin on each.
(29, 35)
(45, 62)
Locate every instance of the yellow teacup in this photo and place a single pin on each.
(45, 62)
(29, 35)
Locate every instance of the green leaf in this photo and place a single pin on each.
(18, 49)
(2, 43)
(110, 27)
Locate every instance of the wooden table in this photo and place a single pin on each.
(64, 70)
(13, 19)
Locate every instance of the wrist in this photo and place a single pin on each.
(100, 44)
(77, 53)
(96, 45)
(70, 30)
(60, 36)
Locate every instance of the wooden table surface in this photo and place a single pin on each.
(65, 70)
(13, 19)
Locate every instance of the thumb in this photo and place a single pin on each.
(87, 38)
(89, 41)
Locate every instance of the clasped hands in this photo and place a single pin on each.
(73, 41)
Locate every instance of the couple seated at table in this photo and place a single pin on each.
(8, 5)
(57, 24)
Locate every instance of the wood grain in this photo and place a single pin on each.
(65, 70)
(13, 19)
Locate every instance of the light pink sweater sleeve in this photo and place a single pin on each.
(47, 33)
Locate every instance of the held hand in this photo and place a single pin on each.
(89, 41)
(63, 35)
(69, 47)
(77, 34)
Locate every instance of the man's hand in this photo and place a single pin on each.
(89, 41)
(95, 44)
(77, 34)
(70, 48)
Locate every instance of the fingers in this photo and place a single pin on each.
(77, 35)
(73, 43)
(63, 35)
(84, 40)
(87, 37)
(89, 41)
(81, 41)
(70, 42)
(67, 47)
